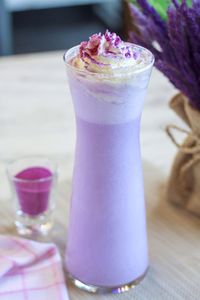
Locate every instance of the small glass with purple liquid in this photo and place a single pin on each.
(33, 181)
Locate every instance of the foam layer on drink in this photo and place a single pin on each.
(108, 54)
(108, 78)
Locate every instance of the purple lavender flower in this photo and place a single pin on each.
(174, 42)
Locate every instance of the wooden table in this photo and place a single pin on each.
(36, 118)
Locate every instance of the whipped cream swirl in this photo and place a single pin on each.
(107, 53)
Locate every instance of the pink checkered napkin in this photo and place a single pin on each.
(30, 271)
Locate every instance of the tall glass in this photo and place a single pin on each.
(107, 241)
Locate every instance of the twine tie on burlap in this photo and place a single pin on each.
(183, 187)
(193, 150)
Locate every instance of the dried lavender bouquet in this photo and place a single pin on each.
(175, 42)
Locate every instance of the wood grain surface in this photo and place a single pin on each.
(36, 118)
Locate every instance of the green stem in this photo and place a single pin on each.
(161, 6)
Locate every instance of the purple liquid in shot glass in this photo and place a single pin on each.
(33, 186)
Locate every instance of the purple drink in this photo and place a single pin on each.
(33, 186)
(107, 243)
(33, 181)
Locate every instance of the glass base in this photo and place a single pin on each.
(105, 290)
(33, 225)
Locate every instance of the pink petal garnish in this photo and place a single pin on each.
(105, 45)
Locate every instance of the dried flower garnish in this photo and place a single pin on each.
(105, 45)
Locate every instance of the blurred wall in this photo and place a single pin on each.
(34, 30)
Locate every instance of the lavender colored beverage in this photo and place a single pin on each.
(107, 242)
(33, 194)
(33, 183)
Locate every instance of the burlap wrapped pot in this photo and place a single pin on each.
(184, 182)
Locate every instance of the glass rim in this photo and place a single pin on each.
(147, 66)
(15, 179)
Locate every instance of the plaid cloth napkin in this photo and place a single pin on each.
(30, 271)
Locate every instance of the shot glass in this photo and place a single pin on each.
(33, 181)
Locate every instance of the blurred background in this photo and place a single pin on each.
(46, 25)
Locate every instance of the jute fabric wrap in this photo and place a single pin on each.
(184, 181)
